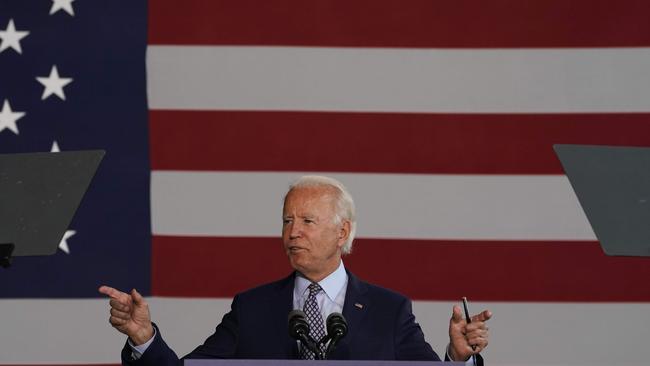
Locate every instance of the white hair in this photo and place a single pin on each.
(343, 202)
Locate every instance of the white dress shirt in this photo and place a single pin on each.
(331, 299)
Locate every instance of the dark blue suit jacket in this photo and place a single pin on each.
(381, 327)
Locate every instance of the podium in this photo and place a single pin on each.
(316, 363)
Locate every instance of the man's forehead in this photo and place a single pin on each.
(310, 197)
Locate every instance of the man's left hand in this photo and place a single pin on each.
(463, 336)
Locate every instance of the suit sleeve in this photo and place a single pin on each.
(221, 344)
(479, 360)
(158, 353)
(409, 339)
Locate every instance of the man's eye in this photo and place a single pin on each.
(309, 221)
(286, 221)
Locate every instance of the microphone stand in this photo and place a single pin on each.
(323, 341)
(307, 341)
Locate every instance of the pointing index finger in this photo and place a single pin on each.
(112, 293)
(483, 316)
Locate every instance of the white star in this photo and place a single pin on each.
(62, 4)
(11, 37)
(55, 147)
(54, 84)
(8, 118)
(63, 245)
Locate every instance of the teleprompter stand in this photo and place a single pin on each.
(5, 254)
(39, 195)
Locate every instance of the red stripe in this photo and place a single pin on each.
(413, 23)
(429, 270)
(382, 143)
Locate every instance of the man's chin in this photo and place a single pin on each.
(298, 261)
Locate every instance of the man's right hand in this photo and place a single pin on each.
(129, 314)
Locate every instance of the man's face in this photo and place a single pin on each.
(311, 238)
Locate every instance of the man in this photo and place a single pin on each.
(318, 229)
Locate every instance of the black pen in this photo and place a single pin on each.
(468, 320)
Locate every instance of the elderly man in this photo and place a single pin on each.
(318, 228)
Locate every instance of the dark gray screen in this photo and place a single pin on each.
(39, 194)
(613, 187)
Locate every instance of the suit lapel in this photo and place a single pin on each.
(355, 308)
(283, 306)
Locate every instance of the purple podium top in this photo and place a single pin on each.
(319, 363)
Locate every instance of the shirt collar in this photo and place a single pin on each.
(331, 285)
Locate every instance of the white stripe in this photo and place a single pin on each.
(399, 80)
(473, 207)
(77, 331)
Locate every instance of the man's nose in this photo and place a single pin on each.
(294, 230)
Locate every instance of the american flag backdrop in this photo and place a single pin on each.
(439, 116)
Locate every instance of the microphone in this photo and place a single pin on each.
(337, 328)
(299, 329)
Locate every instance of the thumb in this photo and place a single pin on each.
(456, 315)
(137, 298)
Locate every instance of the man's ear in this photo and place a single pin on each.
(344, 233)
